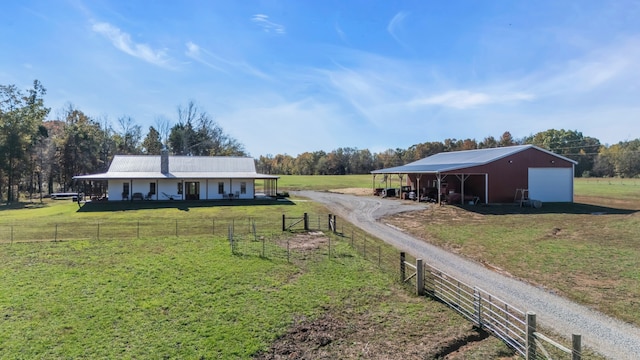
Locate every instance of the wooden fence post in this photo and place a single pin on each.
(306, 222)
(284, 227)
(576, 352)
(402, 267)
(329, 223)
(419, 277)
(531, 337)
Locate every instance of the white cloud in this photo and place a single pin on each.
(463, 99)
(395, 25)
(608, 69)
(203, 56)
(268, 26)
(122, 41)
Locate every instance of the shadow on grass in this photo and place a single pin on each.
(22, 205)
(103, 206)
(547, 208)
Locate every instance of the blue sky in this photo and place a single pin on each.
(286, 77)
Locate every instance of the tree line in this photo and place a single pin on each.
(39, 156)
(593, 158)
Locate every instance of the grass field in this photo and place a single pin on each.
(588, 251)
(188, 297)
(169, 293)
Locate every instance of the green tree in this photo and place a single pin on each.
(127, 140)
(197, 134)
(569, 143)
(152, 144)
(21, 125)
(79, 149)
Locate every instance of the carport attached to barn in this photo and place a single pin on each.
(490, 175)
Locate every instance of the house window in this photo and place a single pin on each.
(152, 188)
(221, 187)
(179, 188)
(125, 189)
(243, 187)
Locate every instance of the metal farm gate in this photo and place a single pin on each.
(513, 326)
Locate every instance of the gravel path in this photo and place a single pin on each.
(610, 337)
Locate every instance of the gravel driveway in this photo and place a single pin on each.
(610, 337)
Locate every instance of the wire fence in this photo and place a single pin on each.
(297, 238)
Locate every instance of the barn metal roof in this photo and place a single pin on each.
(180, 167)
(456, 160)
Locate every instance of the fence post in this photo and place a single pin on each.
(419, 277)
(364, 248)
(329, 223)
(479, 306)
(576, 352)
(306, 222)
(402, 266)
(531, 337)
(284, 227)
(335, 224)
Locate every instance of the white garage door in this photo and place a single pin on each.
(551, 184)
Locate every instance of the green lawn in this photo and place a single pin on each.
(324, 182)
(188, 296)
(159, 298)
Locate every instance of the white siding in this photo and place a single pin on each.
(551, 184)
(169, 188)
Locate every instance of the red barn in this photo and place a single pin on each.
(495, 175)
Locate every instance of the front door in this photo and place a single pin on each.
(192, 190)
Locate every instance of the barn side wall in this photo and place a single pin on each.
(511, 172)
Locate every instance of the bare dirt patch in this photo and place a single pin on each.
(307, 241)
(381, 328)
(344, 335)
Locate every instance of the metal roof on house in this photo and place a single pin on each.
(456, 160)
(180, 167)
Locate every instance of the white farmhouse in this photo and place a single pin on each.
(164, 177)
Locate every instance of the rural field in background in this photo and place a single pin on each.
(188, 296)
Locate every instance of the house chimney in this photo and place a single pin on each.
(164, 160)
